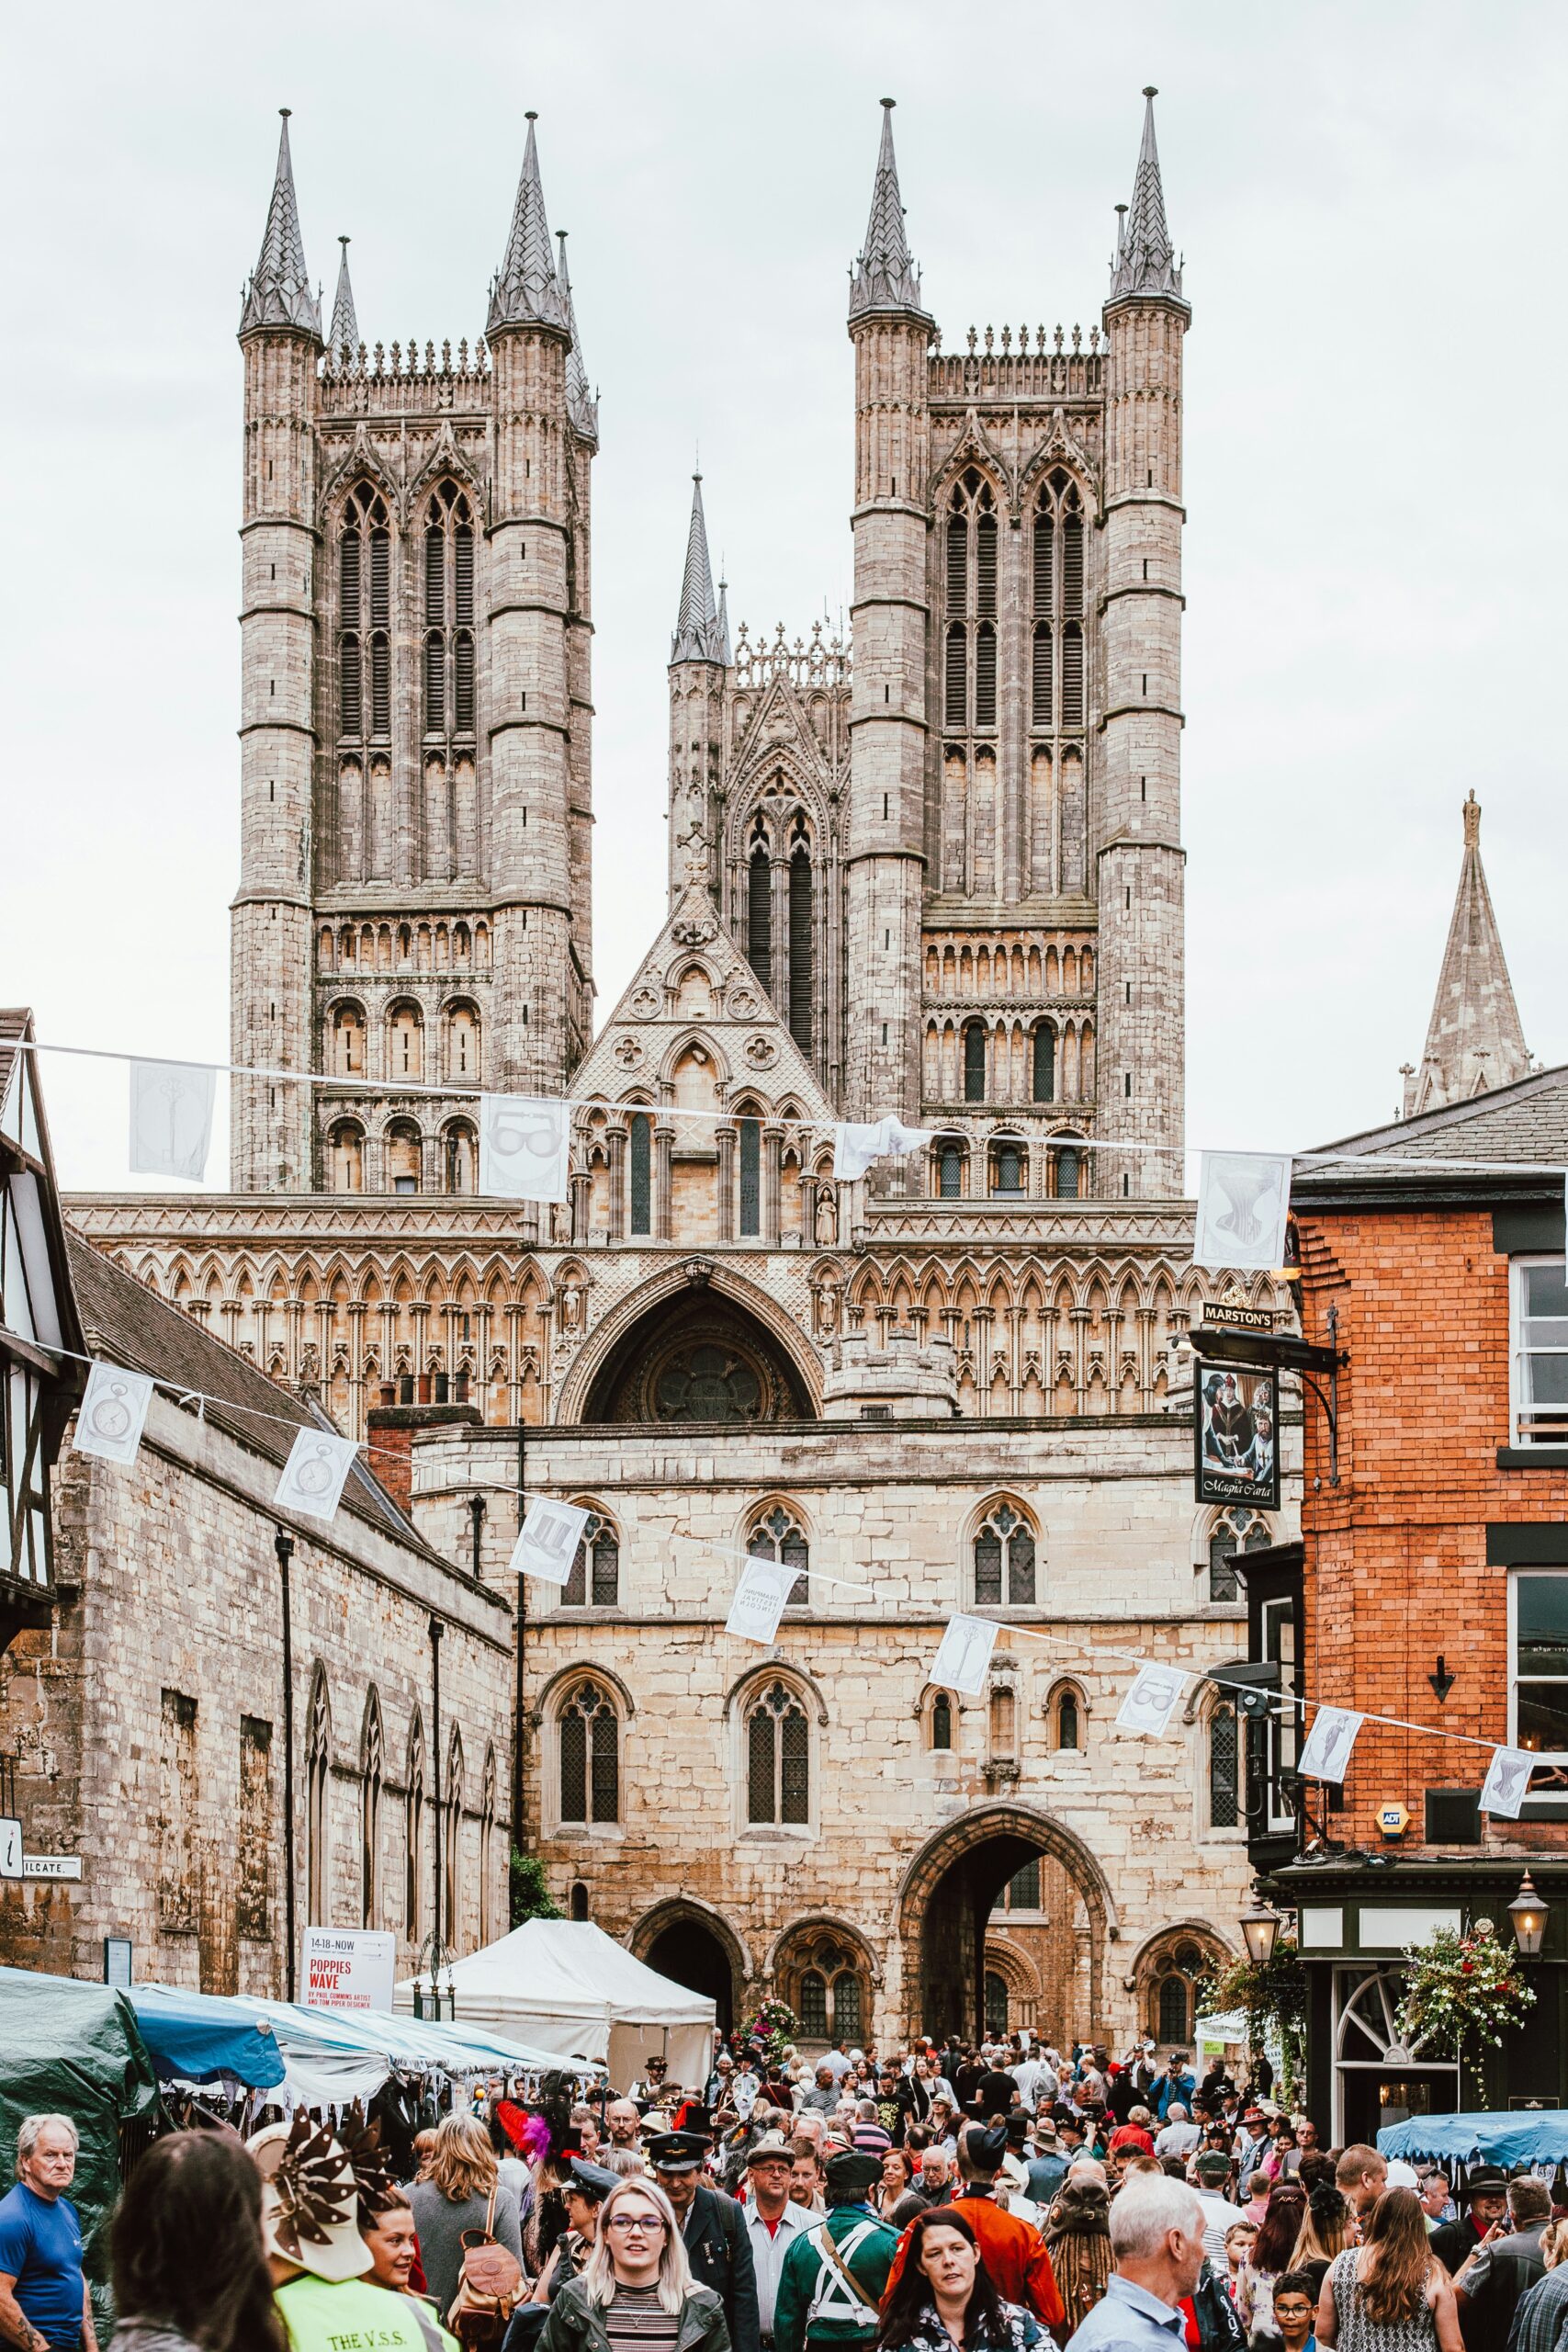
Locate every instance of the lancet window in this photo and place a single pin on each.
(365, 619)
(448, 615)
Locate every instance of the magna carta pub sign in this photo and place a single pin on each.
(1236, 1420)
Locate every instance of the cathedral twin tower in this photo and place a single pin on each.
(950, 851)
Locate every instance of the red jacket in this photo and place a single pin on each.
(1013, 2253)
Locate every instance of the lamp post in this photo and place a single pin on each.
(1259, 1928)
(1527, 1912)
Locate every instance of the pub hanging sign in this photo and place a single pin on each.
(1235, 1434)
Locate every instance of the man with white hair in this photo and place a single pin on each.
(44, 2304)
(1157, 2239)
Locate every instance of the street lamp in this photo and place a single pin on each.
(1259, 1926)
(1527, 1912)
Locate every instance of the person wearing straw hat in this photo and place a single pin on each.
(318, 2259)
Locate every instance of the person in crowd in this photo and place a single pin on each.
(585, 2189)
(1178, 2135)
(585, 2130)
(896, 2183)
(823, 2096)
(1156, 2240)
(1134, 2133)
(998, 2089)
(1283, 2157)
(944, 2121)
(1014, 2253)
(187, 2256)
(867, 2133)
(623, 2124)
(1240, 2239)
(1360, 2176)
(834, 2275)
(946, 2301)
(44, 2301)
(1388, 2294)
(1295, 2303)
(1211, 2179)
(1047, 2168)
(1178, 2085)
(1541, 2323)
(1251, 2142)
(318, 2261)
(1077, 2238)
(713, 2232)
(636, 2293)
(1326, 2232)
(1436, 2198)
(461, 2190)
(805, 2174)
(392, 2241)
(774, 2222)
(649, 2089)
(1271, 2257)
(716, 2093)
(1483, 2199)
(1500, 2272)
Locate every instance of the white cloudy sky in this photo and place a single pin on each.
(1369, 200)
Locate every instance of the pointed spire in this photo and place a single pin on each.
(279, 292)
(1146, 259)
(885, 276)
(722, 625)
(525, 292)
(697, 636)
(343, 340)
(1474, 1040)
(581, 404)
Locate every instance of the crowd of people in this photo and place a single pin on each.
(992, 2198)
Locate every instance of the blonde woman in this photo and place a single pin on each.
(636, 2293)
(460, 2189)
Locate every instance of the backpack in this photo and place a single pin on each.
(489, 2285)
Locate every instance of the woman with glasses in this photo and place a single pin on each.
(636, 2293)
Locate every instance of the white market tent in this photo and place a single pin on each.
(564, 1986)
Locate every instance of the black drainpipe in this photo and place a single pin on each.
(284, 1546)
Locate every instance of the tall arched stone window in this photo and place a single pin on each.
(318, 1804)
(594, 1581)
(778, 1536)
(1225, 1767)
(372, 1771)
(364, 617)
(640, 1153)
(1044, 1073)
(778, 1758)
(452, 1842)
(802, 976)
(414, 1832)
(974, 1062)
(588, 1742)
(1004, 1560)
(448, 616)
(488, 1927)
(1236, 1529)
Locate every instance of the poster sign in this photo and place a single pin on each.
(10, 1847)
(349, 1968)
(1236, 1435)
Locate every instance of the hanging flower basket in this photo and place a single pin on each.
(1461, 1989)
(773, 2026)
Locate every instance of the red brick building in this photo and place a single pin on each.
(1430, 1585)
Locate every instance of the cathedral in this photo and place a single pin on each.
(935, 872)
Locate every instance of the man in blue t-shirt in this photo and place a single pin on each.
(44, 2295)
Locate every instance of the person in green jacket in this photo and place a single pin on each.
(831, 2284)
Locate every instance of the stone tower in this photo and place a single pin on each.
(1474, 1040)
(699, 657)
(416, 761)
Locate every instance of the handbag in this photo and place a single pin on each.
(489, 2285)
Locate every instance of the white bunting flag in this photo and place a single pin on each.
(113, 1412)
(963, 1660)
(854, 1147)
(1507, 1780)
(525, 1147)
(759, 1601)
(170, 1118)
(313, 1474)
(1327, 1756)
(547, 1541)
(1153, 1699)
(1244, 1201)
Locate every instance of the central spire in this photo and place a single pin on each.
(279, 292)
(1474, 1040)
(343, 340)
(699, 636)
(581, 404)
(885, 276)
(526, 292)
(1145, 258)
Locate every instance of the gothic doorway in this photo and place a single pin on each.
(689, 1953)
(1000, 1906)
(698, 1357)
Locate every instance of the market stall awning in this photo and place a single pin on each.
(198, 2037)
(1517, 2136)
(345, 2046)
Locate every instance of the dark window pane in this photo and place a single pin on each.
(760, 916)
(1044, 1063)
(573, 1767)
(349, 685)
(1067, 1179)
(380, 687)
(1541, 1610)
(1042, 697)
(996, 2002)
(795, 1553)
(975, 1063)
(1023, 1888)
(985, 564)
(1045, 535)
(1021, 1568)
(435, 686)
(1072, 678)
(434, 579)
(987, 1570)
(796, 1777)
(606, 1768)
(642, 1172)
(750, 1176)
(1543, 1716)
(1225, 1809)
(759, 1771)
(985, 676)
(463, 684)
(800, 950)
(1067, 1720)
(847, 2025)
(1223, 1582)
(1072, 564)
(958, 564)
(814, 2007)
(954, 712)
(1173, 2009)
(380, 575)
(464, 582)
(574, 1591)
(942, 1721)
(951, 1172)
(606, 1569)
(348, 580)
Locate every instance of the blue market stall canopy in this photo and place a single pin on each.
(339, 2050)
(200, 2036)
(1524, 2136)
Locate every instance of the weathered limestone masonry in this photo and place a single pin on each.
(147, 1724)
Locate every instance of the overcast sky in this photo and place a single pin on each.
(1369, 200)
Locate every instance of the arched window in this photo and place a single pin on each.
(487, 1851)
(777, 1537)
(1057, 700)
(849, 2010)
(951, 1154)
(589, 1739)
(1044, 1071)
(405, 1043)
(974, 1062)
(452, 1841)
(462, 1157)
(986, 675)
(778, 1784)
(348, 1041)
(1237, 1530)
(413, 1833)
(1021, 1892)
(971, 561)
(996, 2002)
(801, 990)
(1042, 690)
(1004, 1560)
(448, 615)
(641, 1155)
(595, 1577)
(1173, 2009)
(760, 914)
(1066, 1718)
(346, 1145)
(751, 1177)
(371, 1772)
(956, 718)
(403, 1156)
(318, 1811)
(364, 617)
(942, 1721)
(813, 2006)
(1072, 679)
(1004, 1723)
(462, 1043)
(1224, 1774)
(1066, 1170)
(579, 1904)
(1010, 1167)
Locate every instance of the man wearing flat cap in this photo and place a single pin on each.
(1012, 2251)
(712, 2228)
(772, 2222)
(831, 2284)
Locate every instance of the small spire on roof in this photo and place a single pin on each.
(722, 629)
(1145, 258)
(581, 404)
(1474, 1040)
(343, 340)
(885, 276)
(526, 291)
(697, 636)
(279, 292)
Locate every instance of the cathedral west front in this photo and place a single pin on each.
(935, 871)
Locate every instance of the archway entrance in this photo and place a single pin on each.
(996, 1903)
(691, 1954)
(698, 1356)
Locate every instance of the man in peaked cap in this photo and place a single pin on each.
(712, 2228)
(834, 2275)
(1012, 2250)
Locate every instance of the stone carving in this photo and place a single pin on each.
(743, 1004)
(630, 1052)
(646, 1005)
(762, 1052)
